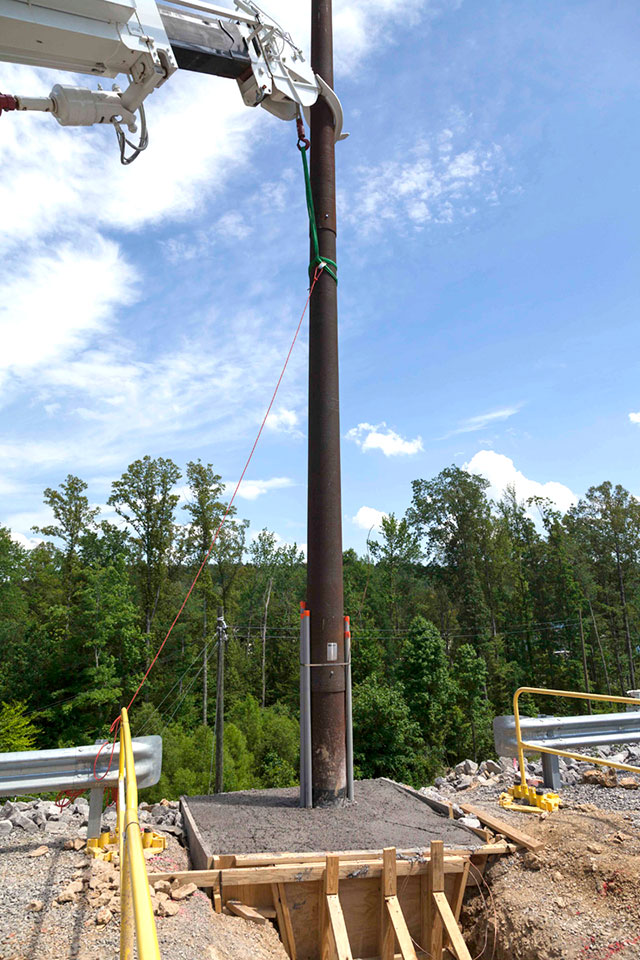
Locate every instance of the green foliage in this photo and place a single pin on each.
(424, 675)
(17, 730)
(452, 607)
(386, 740)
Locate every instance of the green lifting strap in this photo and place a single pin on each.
(330, 266)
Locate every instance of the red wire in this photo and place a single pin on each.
(114, 726)
(316, 277)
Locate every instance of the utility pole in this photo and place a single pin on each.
(324, 524)
(219, 730)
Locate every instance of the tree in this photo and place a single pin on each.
(451, 513)
(606, 523)
(470, 671)
(206, 511)
(74, 517)
(144, 498)
(424, 675)
(396, 554)
(386, 739)
(17, 730)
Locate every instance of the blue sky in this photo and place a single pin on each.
(488, 247)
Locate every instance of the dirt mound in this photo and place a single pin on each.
(576, 898)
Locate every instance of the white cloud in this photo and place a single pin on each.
(482, 420)
(283, 420)
(501, 472)
(634, 417)
(27, 542)
(439, 181)
(368, 517)
(381, 437)
(252, 489)
(58, 301)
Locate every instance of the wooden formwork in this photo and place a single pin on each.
(353, 904)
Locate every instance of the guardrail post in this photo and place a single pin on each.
(551, 772)
(96, 799)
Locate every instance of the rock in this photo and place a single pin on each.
(603, 751)
(82, 833)
(462, 783)
(70, 893)
(628, 783)
(5, 828)
(492, 767)
(162, 886)
(602, 778)
(182, 892)
(36, 906)
(167, 908)
(466, 767)
(25, 823)
(76, 844)
(39, 851)
(169, 828)
(470, 821)
(103, 916)
(439, 782)
(531, 861)
(594, 848)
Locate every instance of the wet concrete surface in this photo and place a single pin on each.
(271, 821)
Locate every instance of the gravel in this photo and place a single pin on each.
(495, 777)
(36, 869)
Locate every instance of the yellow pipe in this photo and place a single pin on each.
(146, 935)
(563, 753)
(126, 900)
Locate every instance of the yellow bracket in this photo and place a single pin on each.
(104, 846)
(154, 841)
(534, 802)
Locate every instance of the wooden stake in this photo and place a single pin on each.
(388, 888)
(247, 913)
(447, 918)
(400, 929)
(436, 874)
(284, 919)
(459, 887)
(328, 887)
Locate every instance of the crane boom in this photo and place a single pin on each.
(148, 42)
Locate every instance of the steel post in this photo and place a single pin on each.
(551, 772)
(324, 551)
(348, 706)
(96, 800)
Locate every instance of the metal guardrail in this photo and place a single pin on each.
(29, 772)
(567, 731)
(137, 923)
(71, 768)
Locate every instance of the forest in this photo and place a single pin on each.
(453, 606)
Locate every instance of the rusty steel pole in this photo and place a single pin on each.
(324, 524)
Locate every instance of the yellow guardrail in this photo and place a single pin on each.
(137, 922)
(535, 747)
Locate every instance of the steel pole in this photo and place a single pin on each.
(324, 557)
